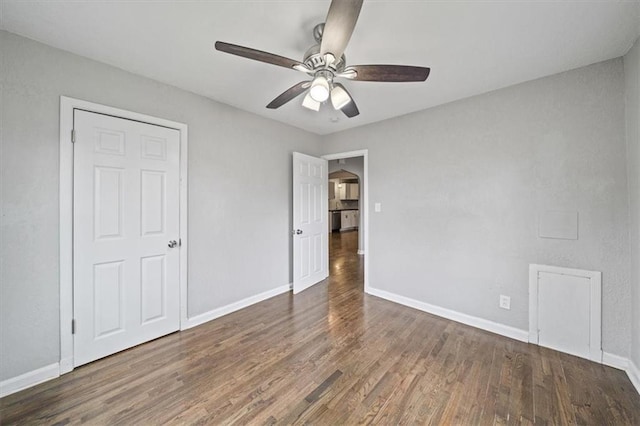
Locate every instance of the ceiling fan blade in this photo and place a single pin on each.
(258, 55)
(339, 25)
(289, 94)
(350, 109)
(388, 73)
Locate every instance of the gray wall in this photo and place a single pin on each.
(239, 191)
(632, 92)
(462, 186)
(354, 165)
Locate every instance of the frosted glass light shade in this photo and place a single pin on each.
(310, 103)
(319, 90)
(339, 97)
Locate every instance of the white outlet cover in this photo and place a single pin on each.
(505, 302)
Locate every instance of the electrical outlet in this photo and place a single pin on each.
(505, 302)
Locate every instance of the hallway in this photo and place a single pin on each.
(332, 355)
(346, 267)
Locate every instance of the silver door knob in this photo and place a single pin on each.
(297, 232)
(172, 243)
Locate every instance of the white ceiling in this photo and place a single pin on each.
(472, 47)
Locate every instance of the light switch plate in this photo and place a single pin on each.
(377, 207)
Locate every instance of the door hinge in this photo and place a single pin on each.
(73, 326)
(180, 242)
(73, 135)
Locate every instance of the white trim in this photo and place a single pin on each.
(483, 324)
(66, 233)
(360, 252)
(67, 105)
(615, 361)
(595, 310)
(29, 379)
(634, 375)
(364, 204)
(235, 306)
(66, 365)
(184, 229)
(624, 364)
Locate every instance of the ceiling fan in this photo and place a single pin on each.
(325, 62)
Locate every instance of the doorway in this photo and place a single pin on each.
(344, 197)
(350, 201)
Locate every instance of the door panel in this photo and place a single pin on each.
(564, 313)
(108, 301)
(152, 202)
(153, 288)
(108, 202)
(126, 210)
(310, 238)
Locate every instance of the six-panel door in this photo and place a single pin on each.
(310, 240)
(126, 212)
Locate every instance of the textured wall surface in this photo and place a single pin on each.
(462, 187)
(632, 98)
(239, 191)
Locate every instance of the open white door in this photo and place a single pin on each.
(310, 227)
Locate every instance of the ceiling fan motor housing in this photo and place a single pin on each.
(316, 61)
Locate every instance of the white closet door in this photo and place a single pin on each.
(126, 219)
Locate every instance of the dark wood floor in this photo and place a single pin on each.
(332, 355)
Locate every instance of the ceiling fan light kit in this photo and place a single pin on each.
(310, 103)
(320, 89)
(325, 62)
(339, 98)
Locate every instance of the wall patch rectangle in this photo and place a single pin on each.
(558, 225)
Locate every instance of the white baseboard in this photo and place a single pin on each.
(66, 365)
(615, 361)
(29, 379)
(494, 327)
(624, 364)
(634, 375)
(235, 306)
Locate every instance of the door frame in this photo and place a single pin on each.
(363, 204)
(67, 107)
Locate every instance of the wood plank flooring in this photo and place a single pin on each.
(332, 355)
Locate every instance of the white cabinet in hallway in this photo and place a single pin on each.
(348, 191)
(342, 191)
(353, 191)
(350, 219)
